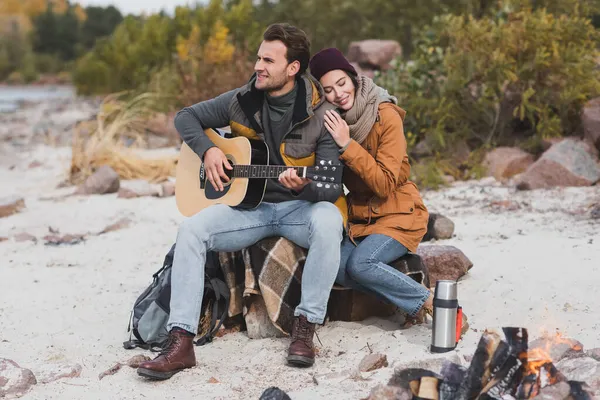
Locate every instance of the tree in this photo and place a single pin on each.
(100, 22)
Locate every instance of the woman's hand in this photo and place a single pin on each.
(337, 127)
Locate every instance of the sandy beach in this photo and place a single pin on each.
(536, 257)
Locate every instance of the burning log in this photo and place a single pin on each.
(478, 374)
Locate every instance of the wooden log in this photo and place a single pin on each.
(478, 374)
(352, 305)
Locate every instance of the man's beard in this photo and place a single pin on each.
(276, 85)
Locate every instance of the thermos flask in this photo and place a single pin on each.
(445, 308)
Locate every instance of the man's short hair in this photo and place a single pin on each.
(296, 41)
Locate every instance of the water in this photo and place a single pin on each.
(12, 96)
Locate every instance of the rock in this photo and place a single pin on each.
(168, 189)
(105, 180)
(139, 188)
(162, 132)
(460, 152)
(506, 162)
(421, 150)
(258, 323)
(384, 392)
(11, 205)
(591, 122)
(372, 362)
(15, 381)
(444, 262)
(52, 372)
(595, 212)
(558, 391)
(557, 349)
(274, 393)
(582, 369)
(374, 54)
(368, 72)
(120, 224)
(69, 239)
(135, 361)
(24, 237)
(438, 227)
(567, 163)
(594, 353)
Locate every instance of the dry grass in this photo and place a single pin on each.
(111, 138)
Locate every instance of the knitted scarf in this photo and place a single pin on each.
(361, 117)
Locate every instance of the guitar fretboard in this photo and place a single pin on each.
(262, 171)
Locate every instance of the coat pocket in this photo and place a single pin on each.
(396, 211)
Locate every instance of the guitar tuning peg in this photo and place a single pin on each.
(319, 184)
(335, 186)
(327, 186)
(333, 168)
(322, 162)
(317, 168)
(323, 178)
(332, 179)
(329, 162)
(324, 168)
(315, 178)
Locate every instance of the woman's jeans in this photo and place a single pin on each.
(365, 268)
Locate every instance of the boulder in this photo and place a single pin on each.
(374, 53)
(566, 163)
(15, 381)
(444, 262)
(591, 122)
(582, 369)
(11, 205)
(438, 227)
(557, 349)
(505, 162)
(105, 180)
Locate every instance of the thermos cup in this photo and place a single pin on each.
(445, 308)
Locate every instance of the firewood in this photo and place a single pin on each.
(428, 388)
(478, 374)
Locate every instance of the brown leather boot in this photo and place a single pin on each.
(177, 355)
(302, 351)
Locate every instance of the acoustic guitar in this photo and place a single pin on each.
(247, 180)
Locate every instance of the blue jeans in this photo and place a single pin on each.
(365, 268)
(317, 227)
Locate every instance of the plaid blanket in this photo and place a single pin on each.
(273, 268)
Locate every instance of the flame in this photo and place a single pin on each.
(539, 360)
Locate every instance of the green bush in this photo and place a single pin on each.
(521, 76)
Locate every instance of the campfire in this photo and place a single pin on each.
(500, 369)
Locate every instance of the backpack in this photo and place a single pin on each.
(150, 313)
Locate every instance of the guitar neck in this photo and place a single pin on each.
(264, 171)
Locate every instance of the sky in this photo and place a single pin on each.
(139, 6)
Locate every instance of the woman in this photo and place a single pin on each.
(387, 217)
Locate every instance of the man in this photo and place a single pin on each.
(285, 107)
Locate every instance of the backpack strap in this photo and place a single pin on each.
(221, 291)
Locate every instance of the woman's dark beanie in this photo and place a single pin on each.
(327, 60)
